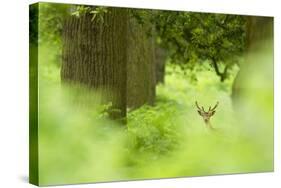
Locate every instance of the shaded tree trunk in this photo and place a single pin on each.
(259, 31)
(160, 58)
(115, 56)
(141, 78)
(259, 39)
(95, 55)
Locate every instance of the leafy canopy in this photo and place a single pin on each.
(190, 37)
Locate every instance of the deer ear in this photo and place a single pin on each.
(199, 112)
(213, 112)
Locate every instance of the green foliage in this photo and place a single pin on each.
(97, 13)
(154, 129)
(204, 35)
(80, 10)
(51, 19)
(51, 22)
(191, 38)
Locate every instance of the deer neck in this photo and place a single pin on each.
(208, 124)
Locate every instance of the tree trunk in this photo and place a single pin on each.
(140, 66)
(95, 54)
(115, 56)
(259, 39)
(160, 58)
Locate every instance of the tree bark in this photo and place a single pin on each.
(141, 78)
(115, 56)
(95, 54)
(160, 58)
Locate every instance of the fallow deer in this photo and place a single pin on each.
(207, 115)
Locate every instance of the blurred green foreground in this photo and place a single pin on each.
(78, 143)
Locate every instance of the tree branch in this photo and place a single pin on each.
(223, 74)
(216, 67)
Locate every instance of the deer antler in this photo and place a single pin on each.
(212, 109)
(199, 106)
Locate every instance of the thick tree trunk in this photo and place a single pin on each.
(115, 56)
(95, 55)
(259, 40)
(140, 66)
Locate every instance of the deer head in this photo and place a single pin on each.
(206, 114)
